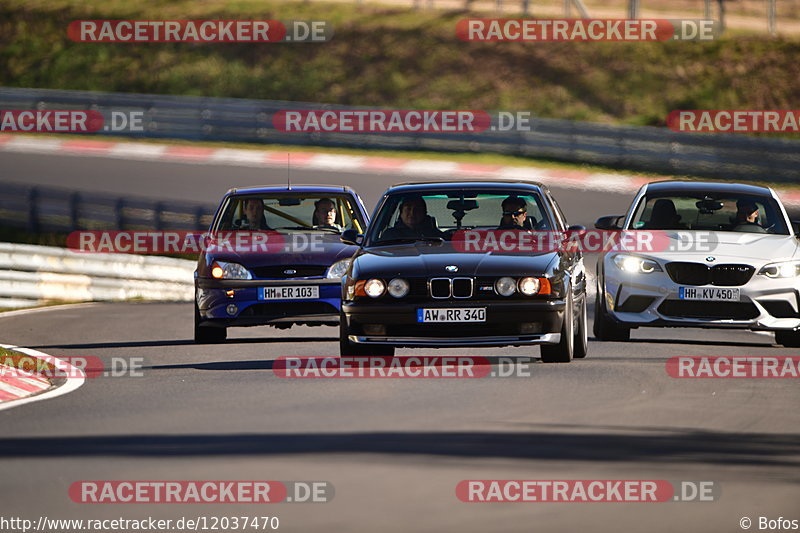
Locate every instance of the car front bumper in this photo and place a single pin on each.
(653, 300)
(214, 298)
(507, 323)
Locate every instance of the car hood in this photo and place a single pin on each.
(425, 260)
(731, 247)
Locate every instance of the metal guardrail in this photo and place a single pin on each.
(32, 275)
(42, 209)
(648, 149)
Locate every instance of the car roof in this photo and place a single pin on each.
(304, 188)
(419, 186)
(706, 186)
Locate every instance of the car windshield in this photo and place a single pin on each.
(437, 215)
(710, 212)
(287, 213)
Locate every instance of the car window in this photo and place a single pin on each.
(561, 220)
(438, 214)
(719, 212)
(292, 212)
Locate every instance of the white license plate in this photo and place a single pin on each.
(301, 292)
(715, 294)
(458, 314)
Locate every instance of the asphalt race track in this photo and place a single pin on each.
(393, 449)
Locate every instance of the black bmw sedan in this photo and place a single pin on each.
(457, 264)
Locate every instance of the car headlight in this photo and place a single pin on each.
(398, 287)
(529, 286)
(223, 270)
(505, 286)
(786, 269)
(374, 288)
(634, 264)
(338, 269)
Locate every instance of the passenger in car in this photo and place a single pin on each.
(413, 222)
(324, 216)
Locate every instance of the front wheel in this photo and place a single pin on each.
(605, 329)
(581, 335)
(564, 350)
(207, 334)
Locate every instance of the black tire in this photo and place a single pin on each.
(207, 334)
(564, 350)
(581, 342)
(790, 339)
(351, 349)
(604, 328)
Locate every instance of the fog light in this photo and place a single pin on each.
(232, 309)
(374, 329)
(230, 293)
(530, 327)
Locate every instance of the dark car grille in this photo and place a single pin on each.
(463, 287)
(700, 274)
(289, 309)
(280, 271)
(779, 308)
(635, 304)
(712, 310)
(447, 330)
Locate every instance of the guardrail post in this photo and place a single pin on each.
(633, 9)
(158, 210)
(119, 212)
(771, 16)
(74, 210)
(198, 215)
(33, 210)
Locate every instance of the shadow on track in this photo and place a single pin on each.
(686, 446)
(187, 342)
(690, 342)
(493, 360)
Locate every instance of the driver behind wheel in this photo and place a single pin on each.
(515, 214)
(747, 217)
(324, 216)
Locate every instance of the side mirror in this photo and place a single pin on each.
(577, 227)
(351, 236)
(796, 227)
(610, 222)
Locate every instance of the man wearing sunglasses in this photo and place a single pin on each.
(515, 213)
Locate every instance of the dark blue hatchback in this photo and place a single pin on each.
(274, 257)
